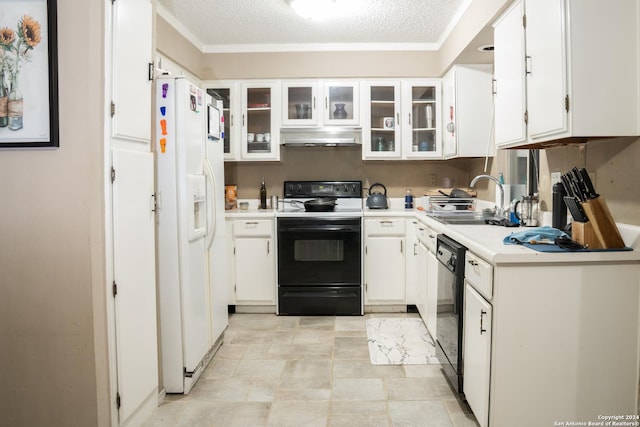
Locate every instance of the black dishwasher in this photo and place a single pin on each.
(451, 256)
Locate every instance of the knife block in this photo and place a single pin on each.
(602, 223)
(583, 233)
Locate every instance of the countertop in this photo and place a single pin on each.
(486, 241)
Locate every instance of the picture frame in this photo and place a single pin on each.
(29, 116)
(388, 123)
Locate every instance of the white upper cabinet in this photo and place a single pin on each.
(420, 119)
(467, 112)
(229, 93)
(260, 136)
(320, 103)
(300, 102)
(132, 57)
(341, 103)
(581, 66)
(380, 101)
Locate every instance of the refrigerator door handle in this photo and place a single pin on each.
(211, 201)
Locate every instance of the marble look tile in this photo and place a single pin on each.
(304, 394)
(249, 414)
(358, 389)
(309, 351)
(307, 374)
(312, 336)
(220, 368)
(298, 413)
(259, 368)
(227, 389)
(359, 421)
(421, 371)
(362, 368)
(259, 378)
(415, 389)
(399, 341)
(317, 322)
(348, 323)
(345, 407)
(351, 348)
(419, 414)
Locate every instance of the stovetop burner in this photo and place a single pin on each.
(322, 198)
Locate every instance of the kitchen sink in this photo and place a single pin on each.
(470, 218)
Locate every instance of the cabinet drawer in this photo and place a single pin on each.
(480, 274)
(384, 226)
(253, 227)
(427, 236)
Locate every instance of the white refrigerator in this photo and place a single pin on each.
(190, 241)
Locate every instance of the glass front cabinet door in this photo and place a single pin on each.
(341, 105)
(421, 119)
(381, 120)
(260, 124)
(300, 103)
(229, 93)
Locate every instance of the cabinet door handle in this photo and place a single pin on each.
(268, 246)
(415, 249)
(527, 64)
(482, 313)
(398, 118)
(231, 119)
(401, 247)
(326, 103)
(251, 223)
(472, 262)
(409, 119)
(314, 103)
(243, 120)
(494, 86)
(386, 222)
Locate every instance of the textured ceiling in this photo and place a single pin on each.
(255, 25)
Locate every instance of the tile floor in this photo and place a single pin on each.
(306, 372)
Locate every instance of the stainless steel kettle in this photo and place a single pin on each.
(377, 200)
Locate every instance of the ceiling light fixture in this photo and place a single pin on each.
(312, 9)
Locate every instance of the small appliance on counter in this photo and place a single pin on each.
(377, 200)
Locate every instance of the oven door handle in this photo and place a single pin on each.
(320, 228)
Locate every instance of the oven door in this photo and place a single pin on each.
(319, 251)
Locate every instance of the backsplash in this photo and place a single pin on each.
(616, 163)
(345, 163)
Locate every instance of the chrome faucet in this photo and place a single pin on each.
(500, 209)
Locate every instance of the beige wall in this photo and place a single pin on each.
(53, 369)
(171, 43)
(343, 163)
(616, 163)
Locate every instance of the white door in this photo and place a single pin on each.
(255, 270)
(131, 93)
(510, 98)
(477, 353)
(547, 71)
(134, 277)
(385, 270)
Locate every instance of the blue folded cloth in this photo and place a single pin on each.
(537, 234)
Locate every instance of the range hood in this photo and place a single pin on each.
(321, 137)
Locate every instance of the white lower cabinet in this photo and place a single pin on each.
(432, 292)
(384, 260)
(477, 353)
(254, 262)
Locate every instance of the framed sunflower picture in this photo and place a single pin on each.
(28, 74)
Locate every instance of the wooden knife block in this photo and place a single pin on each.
(601, 232)
(583, 233)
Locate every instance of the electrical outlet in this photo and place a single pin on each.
(555, 177)
(432, 180)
